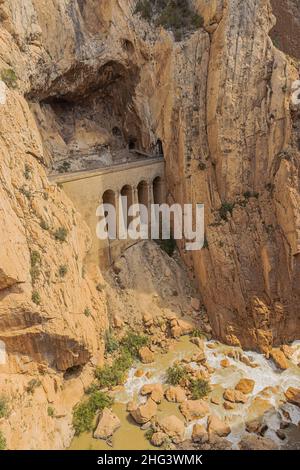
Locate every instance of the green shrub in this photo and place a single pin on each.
(84, 413)
(110, 376)
(197, 333)
(35, 258)
(144, 8)
(2, 441)
(199, 388)
(175, 374)
(3, 407)
(132, 342)
(168, 246)
(61, 234)
(44, 225)
(25, 192)
(50, 411)
(32, 385)
(64, 167)
(9, 77)
(63, 269)
(175, 15)
(226, 208)
(87, 312)
(36, 298)
(27, 171)
(111, 343)
(149, 433)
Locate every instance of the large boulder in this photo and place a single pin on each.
(199, 434)
(173, 427)
(175, 394)
(217, 427)
(155, 391)
(146, 355)
(158, 438)
(293, 395)
(254, 442)
(245, 386)
(234, 396)
(193, 409)
(108, 423)
(144, 413)
(279, 358)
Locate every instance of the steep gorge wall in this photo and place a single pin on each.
(220, 103)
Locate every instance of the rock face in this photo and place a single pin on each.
(230, 139)
(108, 423)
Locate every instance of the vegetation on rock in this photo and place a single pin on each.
(175, 374)
(174, 15)
(199, 388)
(84, 413)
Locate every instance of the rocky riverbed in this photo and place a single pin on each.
(252, 403)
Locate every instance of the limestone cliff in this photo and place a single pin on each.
(218, 99)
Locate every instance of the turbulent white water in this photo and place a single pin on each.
(265, 375)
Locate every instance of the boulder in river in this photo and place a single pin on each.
(245, 386)
(158, 438)
(217, 427)
(234, 396)
(199, 434)
(176, 394)
(279, 358)
(254, 442)
(145, 412)
(108, 423)
(173, 427)
(193, 409)
(155, 391)
(146, 355)
(292, 395)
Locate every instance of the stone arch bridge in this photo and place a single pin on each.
(140, 181)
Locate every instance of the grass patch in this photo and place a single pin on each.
(225, 209)
(32, 385)
(111, 343)
(132, 342)
(2, 441)
(84, 413)
(36, 298)
(4, 411)
(199, 388)
(175, 374)
(62, 271)
(87, 312)
(61, 234)
(9, 77)
(197, 333)
(50, 411)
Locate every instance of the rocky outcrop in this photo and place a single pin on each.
(292, 395)
(193, 409)
(172, 427)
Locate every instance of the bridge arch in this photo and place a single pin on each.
(157, 184)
